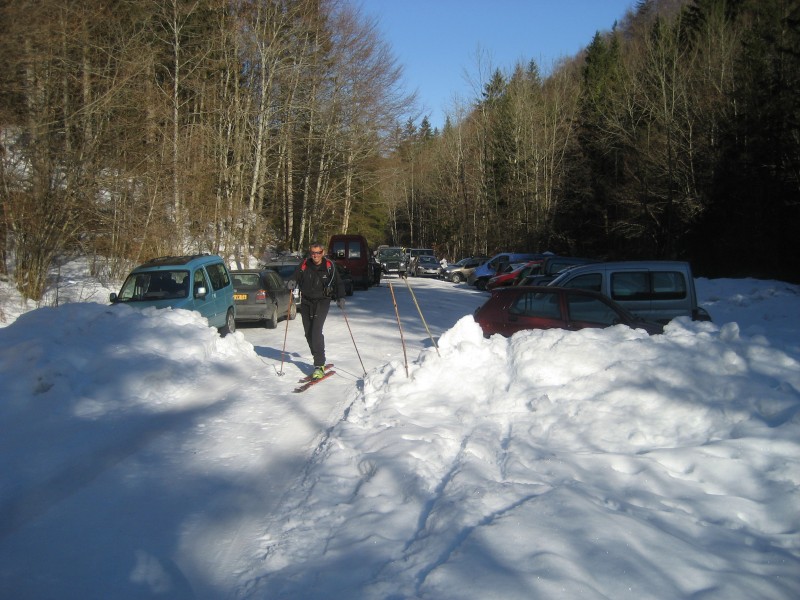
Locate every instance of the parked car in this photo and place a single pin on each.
(200, 282)
(393, 260)
(461, 270)
(650, 289)
(552, 266)
(352, 252)
(481, 275)
(426, 266)
(284, 266)
(514, 273)
(262, 295)
(516, 308)
(413, 257)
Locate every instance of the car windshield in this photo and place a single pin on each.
(390, 254)
(155, 285)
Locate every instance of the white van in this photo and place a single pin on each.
(651, 289)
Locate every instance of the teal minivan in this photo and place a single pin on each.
(199, 282)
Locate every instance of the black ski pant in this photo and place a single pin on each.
(314, 313)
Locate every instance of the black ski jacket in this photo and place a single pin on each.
(318, 282)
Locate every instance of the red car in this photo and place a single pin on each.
(514, 276)
(513, 309)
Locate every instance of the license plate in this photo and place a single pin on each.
(240, 296)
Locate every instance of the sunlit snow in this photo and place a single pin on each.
(144, 456)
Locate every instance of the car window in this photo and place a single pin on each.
(249, 280)
(590, 281)
(273, 281)
(538, 304)
(630, 285)
(668, 285)
(200, 280)
(155, 285)
(354, 249)
(218, 275)
(591, 310)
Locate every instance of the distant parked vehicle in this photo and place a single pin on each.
(262, 295)
(352, 252)
(517, 308)
(481, 275)
(650, 289)
(285, 266)
(552, 266)
(200, 282)
(426, 266)
(461, 270)
(393, 260)
(512, 276)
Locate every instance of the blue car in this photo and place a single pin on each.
(200, 282)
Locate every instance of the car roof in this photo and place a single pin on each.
(630, 264)
(188, 261)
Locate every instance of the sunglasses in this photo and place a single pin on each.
(316, 253)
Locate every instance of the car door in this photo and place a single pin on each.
(631, 288)
(277, 291)
(204, 302)
(534, 310)
(590, 312)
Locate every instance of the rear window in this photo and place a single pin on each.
(248, 280)
(354, 249)
(347, 249)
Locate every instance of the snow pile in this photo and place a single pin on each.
(143, 456)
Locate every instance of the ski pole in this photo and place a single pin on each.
(286, 331)
(354, 340)
(419, 310)
(402, 339)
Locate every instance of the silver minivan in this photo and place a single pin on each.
(651, 289)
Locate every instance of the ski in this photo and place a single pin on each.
(307, 378)
(311, 382)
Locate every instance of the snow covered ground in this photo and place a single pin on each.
(143, 456)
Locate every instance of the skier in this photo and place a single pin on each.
(319, 283)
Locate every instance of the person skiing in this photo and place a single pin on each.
(319, 283)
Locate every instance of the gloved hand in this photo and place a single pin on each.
(291, 284)
(340, 303)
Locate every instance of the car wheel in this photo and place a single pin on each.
(348, 290)
(272, 321)
(230, 324)
(292, 310)
(457, 278)
(480, 284)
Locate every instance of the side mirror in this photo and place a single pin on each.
(112, 297)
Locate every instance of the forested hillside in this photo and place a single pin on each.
(135, 128)
(676, 135)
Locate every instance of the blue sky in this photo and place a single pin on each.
(439, 42)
